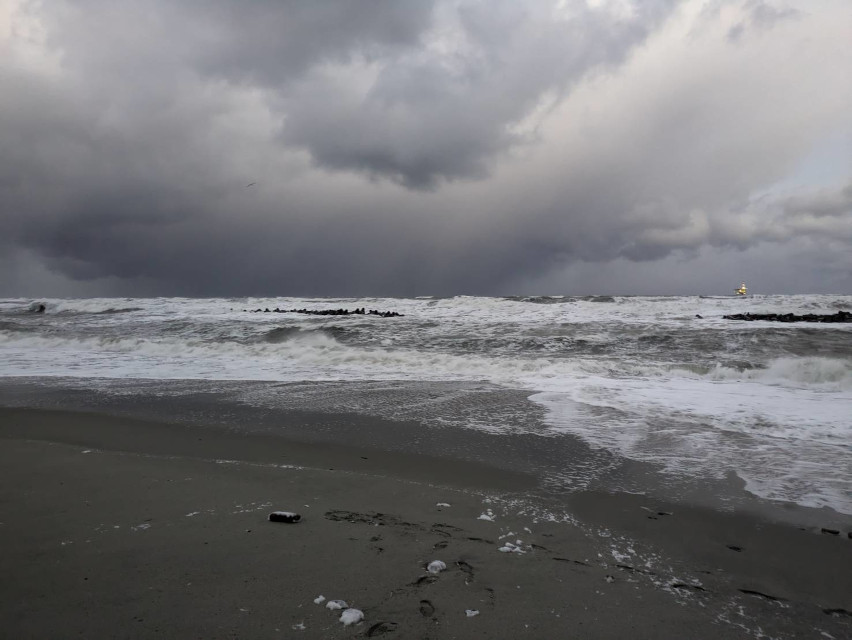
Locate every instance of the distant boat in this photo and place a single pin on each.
(742, 290)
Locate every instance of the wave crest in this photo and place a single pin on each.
(810, 372)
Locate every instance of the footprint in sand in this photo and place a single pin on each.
(422, 581)
(427, 609)
(760, 594)
(381, 628)
(467, 569)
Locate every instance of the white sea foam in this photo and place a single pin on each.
(786, 443)
(436, 566)
(510, 547)
(351, 616)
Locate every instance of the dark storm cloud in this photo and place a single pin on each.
(270, 42)
(431, 117)
(398, 148)
(831, 204)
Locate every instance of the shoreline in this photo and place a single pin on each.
(562, 463)
(119, 526)
(120, 434)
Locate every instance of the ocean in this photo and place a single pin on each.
(662, 382)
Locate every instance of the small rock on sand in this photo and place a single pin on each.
(285, 516)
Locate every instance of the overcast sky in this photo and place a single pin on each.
(416, 147)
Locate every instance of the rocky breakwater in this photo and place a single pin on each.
(840, 316)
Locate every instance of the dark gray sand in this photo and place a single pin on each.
(112, 527)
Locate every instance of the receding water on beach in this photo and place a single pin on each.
(660, 380)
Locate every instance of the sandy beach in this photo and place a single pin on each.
(116, 527)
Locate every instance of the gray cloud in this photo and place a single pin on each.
(759, 16)
(413, 148)
(435, 114)
(275, 41)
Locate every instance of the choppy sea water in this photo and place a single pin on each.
(641, 377)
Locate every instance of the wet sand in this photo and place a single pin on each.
(115, 527)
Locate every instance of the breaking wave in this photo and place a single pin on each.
(279, 335)
(118, 310)
(828, 374)
(540, 299)
(321, 352)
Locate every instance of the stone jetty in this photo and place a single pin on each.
(840, 316)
